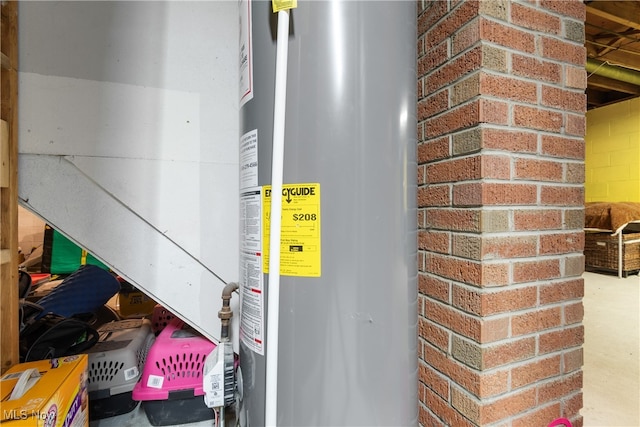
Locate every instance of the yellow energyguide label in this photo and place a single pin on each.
(278, 5)
(300, 253)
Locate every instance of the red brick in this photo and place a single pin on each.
(421, 174)
(420, 48)
(467, 194)
(575, 124)
(573, 313)
(496, 167)
(509, 247)
(506, 87)
(536, 68)
(502, 354)
(575, 173)
(453, 69)
(465, 37)
(433, 150)
(433, 104)
(563, 291)
(445, 412)
(434, 287)
(530, 271)
(432, 59)
(422, 196)
(535, 321)
(537, 219)
(494, 383)
(495, 274)
(461, 117)
(535, 118)
(434, 334)
(421, 219)
(572, 360)
(560, 146)
(422, 261)
(454, 219)
(457, 372)
(434, 241)
(575, 77)
(436, 195)
(427, 418)
(452, 22)
(502, 408)
(434, 380)
(508, 406)
(561, 243)
(420, 133)
(572, 406)
(539, 369)
(493, 111)
(494, 329)
(541, 416)
(456, 269)
(538, 170)
(506, 300)
(562, 339)
(420, 307)
(564, 99)
(560, 388)
(509, 140)
(563, 51)
(462, 169)
(455, 320)
(431, 14)
(474, 194)
(421, 387)
(503, 35)
(535, 19)
(508, 194)
(562, 196)
(571, 8)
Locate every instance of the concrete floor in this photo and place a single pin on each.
(611, 391)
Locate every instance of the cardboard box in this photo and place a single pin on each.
(56, 395)
(135, 303)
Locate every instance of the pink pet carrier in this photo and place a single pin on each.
(160, 318)
(171, 385)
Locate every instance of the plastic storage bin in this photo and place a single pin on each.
(171, 385)
(115, 365)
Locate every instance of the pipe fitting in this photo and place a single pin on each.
(225, 314)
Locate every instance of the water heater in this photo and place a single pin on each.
(348, 277)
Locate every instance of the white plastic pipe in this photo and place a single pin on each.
(273, 304)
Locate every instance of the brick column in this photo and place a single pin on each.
(501, 119)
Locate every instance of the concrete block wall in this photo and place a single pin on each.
(612, 162)
(501, 121)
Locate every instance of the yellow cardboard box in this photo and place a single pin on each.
(135, 303)
(46, 393)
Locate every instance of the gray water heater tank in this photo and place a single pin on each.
(348, 335)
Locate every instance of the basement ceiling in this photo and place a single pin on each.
(612, 40)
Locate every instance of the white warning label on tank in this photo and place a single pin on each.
(249, 159)
(251, 274)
